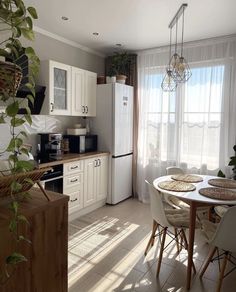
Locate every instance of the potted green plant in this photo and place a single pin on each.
(111, 75)
(16, 24)
(121, 65)
(232, 162)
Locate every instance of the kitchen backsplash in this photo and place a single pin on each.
(40, 124)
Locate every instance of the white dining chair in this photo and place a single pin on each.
(222, 237)
(172, 200)
(221, 210)
(165, 219)
(178, 203)
(174, 170)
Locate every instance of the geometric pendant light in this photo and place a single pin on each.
(168, 83)
(178, 70)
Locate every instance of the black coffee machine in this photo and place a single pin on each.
(49, 146)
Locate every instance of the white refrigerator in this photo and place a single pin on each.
(114, 126)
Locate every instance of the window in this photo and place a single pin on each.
(202, 117)
(183, 127)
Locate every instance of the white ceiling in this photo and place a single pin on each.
(136, 24)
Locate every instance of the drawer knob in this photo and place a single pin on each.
(73, 200)
(74, 167)
(74, 180)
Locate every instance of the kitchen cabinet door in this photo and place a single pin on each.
(102, 178)
(57, 79)
(89, 182)
(78, 92)
(90, 93)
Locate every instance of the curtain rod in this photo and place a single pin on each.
(178, 14)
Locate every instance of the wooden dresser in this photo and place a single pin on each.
(46, 268)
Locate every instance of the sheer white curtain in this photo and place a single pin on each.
(195, 127)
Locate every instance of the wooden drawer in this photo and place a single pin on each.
(76, 201)
(72, 183)
(73, 167)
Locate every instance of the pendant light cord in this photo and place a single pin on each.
(182, 44)
(176, 36)
(170, 46)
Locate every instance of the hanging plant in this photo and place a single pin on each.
(16, 23)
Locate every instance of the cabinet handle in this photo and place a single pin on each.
(96, 163)
(74, 167)
(83, 109)
(74, 180)
(52, 107)
(73, 200)
(99, 162)
(86, 109)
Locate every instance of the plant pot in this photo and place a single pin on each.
(121, 79)
(4, 167)
(101, 80)
(10, 78)
(110, 79)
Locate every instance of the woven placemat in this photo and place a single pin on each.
(218, 194)
(176, 186)
(223, 183)
(189, 178)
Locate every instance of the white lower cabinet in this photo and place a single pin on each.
(86, 182)
(95, 180)
(89, 182)
(102, 178)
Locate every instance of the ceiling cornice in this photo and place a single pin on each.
(68, 42)
(190, 44)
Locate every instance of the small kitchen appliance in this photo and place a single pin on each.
(82, 143)
(49, 146)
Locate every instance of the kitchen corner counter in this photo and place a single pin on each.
(72, 157)
(47, 254)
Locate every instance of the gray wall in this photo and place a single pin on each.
(51, 49)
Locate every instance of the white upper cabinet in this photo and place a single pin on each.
(57, 79)
(70, 90)
(90, 93)
(84, 87)
(78, 91)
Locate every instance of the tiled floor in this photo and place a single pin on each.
(106, 254)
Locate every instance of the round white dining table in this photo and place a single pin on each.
(195, 200)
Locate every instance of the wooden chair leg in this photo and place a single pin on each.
(152, 238)
(181, 241)
(161, 251)
(209, 258)
(222, 272)
(177, 240)
(186, 247)
(155, 230)
(184, 239)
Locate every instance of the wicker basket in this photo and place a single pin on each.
(6, 181)
(10, 78)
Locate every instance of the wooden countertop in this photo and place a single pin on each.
(72, 157)
(29, 207)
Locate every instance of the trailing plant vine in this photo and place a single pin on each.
(16, 23)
